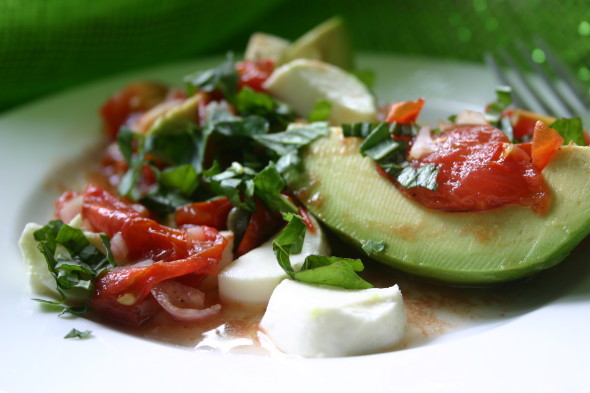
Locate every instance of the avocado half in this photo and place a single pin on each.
(343, 190)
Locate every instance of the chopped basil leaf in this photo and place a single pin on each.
(250, 102)
(425, 176)
(321, 111)
(294, 137)
(334, 271)
(389, 153)
(317, 269)
(503, 101)
(289, 241)
(268, 185)
(379, 143)
(359, 130)
(75, 333)
(372, 246)
(72, 260)
(224, 78)
(571, 130)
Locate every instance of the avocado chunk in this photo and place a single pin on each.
(344, 190)
(327, 42)
(178, 115)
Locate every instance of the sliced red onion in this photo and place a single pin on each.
(71, 209)
(182, 302)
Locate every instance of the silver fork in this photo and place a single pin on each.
(547, 87)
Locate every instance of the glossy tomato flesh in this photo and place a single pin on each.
(480, 170)
(169, 253)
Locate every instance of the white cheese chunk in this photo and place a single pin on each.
(251, 278)
(265, 46)
(303, 82)
(322, 321)
(40, 279)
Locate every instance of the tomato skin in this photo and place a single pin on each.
(120, 294)
(262, 225)
(405, 112)
(134, 98)
(253, 74)
(546, 142)
(211, 213)
(480, 170)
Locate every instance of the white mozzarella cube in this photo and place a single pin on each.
(303, 82)
(323, 321)
(251, 278)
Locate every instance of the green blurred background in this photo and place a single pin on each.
(46, 46)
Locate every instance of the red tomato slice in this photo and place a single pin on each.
(134, 98)
(480, 170)
(546, 142)
(405, 112)
(262, 225)
(120, 293)
(211, 213)
(253, 74)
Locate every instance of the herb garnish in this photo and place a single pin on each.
(571, 130)
(317, 269)
(386, 144)
(73, 262)
(75, 333)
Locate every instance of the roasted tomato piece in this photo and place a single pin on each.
(132, 99)
(212, 213)
(123, 294)
(253, 74)
(405, 112)
(262, 225)
(162, 252)
(479, 170)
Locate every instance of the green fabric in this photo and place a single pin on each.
(48, 45)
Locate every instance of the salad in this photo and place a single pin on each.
(208, 198)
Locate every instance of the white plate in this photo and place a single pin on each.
(540, 344)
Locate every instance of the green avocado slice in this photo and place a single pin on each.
(344, 190)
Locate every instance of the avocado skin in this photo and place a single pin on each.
(343, 190)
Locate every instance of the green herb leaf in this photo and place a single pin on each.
(75, 333)
(321, 111)
(249, 102)
(289, 241)
(224, 78)
(72, 260)
(317, 269)
(425, 176)
(268, 186)
(338, 272)
(372, 246)
(295, 137)
(503, 101)
(571, 130)
(359, 130)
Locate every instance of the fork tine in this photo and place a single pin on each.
(493, 64)
(539, 91)
(520, 77)
(562, 71)
(568, 109)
